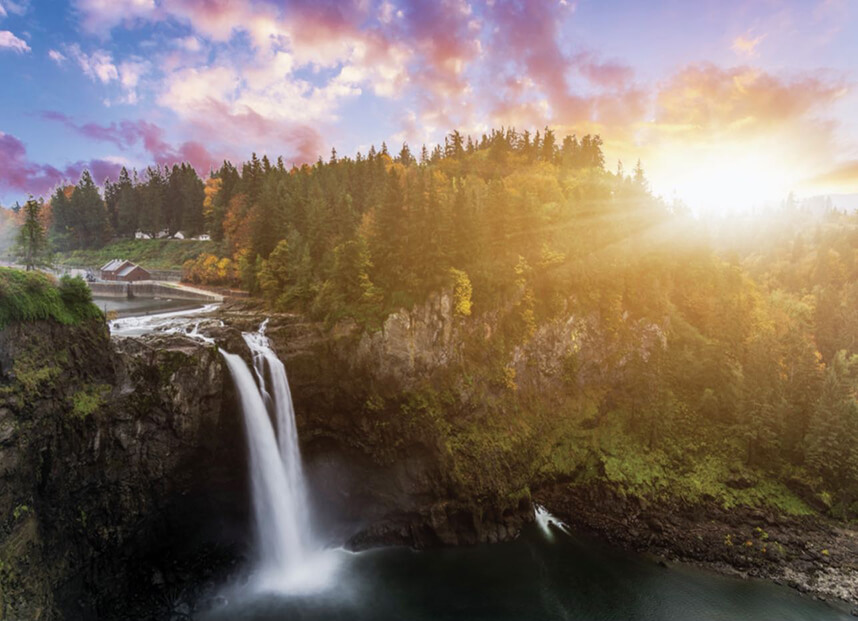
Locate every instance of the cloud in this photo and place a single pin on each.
(276, 76)
(16, 8)
(57, 57)
(102, 15)
(611, 75)
(20, 174)
(127, 134)
(97, 66)
(841, 178)
(705, 98)
(9, 41)
(100, 67)
(123, 134)
(744, 45)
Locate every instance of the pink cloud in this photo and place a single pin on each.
(611, 74)
(166, 155)
(708, 97)
(302, 143)
(20, 174)
(123, 134)
(126, 134)
(9, 41)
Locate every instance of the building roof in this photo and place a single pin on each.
(112, 266)
(121, 267)
(128, 269)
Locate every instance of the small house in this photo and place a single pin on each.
(123, 271)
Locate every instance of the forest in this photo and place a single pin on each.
(756, 317)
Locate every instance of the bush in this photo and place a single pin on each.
(462, 291)
(35, 296)
(208, 269)
(74, 291)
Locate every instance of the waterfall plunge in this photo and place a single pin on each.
(289, 557)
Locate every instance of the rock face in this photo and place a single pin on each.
(413, 343)
(112, 455)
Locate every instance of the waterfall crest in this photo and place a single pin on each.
(289, 557)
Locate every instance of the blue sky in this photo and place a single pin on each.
(759, 93)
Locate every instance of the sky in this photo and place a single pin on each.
(724, 102)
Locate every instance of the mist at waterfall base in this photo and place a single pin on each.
(546, 574)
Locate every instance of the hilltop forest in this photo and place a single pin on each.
(728, 348)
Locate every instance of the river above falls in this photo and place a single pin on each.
(544, 575)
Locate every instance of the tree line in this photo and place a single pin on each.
(164, 201)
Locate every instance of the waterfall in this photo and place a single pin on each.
(288, 556)
(280, 400)
(545, 521)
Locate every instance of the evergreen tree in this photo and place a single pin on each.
(32, 242)
(127, 205)
(87, 223)
(152, 197)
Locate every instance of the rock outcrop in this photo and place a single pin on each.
(113, 456)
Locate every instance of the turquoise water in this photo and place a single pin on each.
(533, 578)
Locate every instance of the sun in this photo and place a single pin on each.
(727, 179)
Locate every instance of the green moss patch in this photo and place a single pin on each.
(88, 400)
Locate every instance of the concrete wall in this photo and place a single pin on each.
(154, 289)
(151, 289)
(110, 289)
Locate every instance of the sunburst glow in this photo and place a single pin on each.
(727, 179)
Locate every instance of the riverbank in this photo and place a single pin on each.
(812, 554)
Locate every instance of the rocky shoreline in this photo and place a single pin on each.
(813, 555)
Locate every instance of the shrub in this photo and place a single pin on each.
(461, 292)
(208, 269)
(35, 296)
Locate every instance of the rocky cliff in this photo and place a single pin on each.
(112, 456)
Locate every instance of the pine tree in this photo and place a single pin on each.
(127, 205)
(639, 177)
(88, 216)
(32, 246)
(152, 202)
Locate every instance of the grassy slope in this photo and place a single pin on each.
(33, 296)
(155, 254)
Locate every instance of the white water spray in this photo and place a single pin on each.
(545, 521)
(290, 558)
(172, 322)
